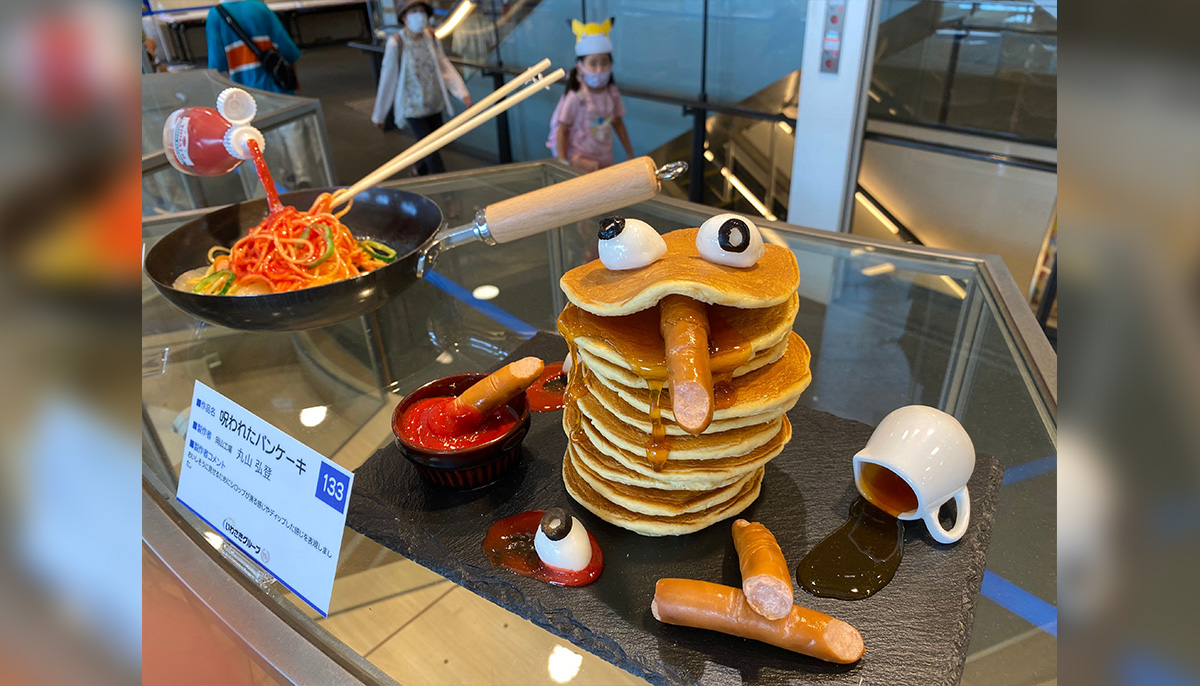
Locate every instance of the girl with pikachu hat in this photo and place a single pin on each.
(591, 111)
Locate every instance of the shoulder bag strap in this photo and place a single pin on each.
(241, 33)
(437, 69)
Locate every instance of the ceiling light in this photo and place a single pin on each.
(954, 286)
(464, 8)
(879, 269)
(563, 664)
(311, 416)
(741, 188)
(485, 292)
(883, 218)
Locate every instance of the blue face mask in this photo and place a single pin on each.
(597, 80)
(416, 21)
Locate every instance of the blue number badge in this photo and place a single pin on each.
(332, 487)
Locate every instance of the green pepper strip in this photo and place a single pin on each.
(212, 279)
(328, 248)
(379, 251)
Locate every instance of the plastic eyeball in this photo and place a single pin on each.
(562, 542)
(629, 243)
(731, 240)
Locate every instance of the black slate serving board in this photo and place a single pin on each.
(915, 630)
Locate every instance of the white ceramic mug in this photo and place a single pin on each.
(927, 451)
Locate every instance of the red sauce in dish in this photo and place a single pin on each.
(542, 399)
(509, 544)
(440, 424)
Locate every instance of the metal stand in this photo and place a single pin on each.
(699, 121)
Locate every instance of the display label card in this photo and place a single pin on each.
(277, 500)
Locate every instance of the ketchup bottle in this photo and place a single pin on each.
(203, 141)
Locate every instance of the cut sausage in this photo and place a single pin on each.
(766, 579)
(683, 323)
(704, 605)
(502, 385)
(465, 413)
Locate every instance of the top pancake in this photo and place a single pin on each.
(599, 290)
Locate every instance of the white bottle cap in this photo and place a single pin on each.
(237, 106)
(236, 140)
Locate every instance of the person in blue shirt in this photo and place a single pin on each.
(227, 53)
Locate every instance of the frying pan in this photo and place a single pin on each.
(409, 223)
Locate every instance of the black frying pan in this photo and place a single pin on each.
(410, 224)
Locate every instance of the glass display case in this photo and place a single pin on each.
(888, 324)
(294, 129)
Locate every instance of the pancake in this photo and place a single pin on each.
(612, 401)
(651, 525)
(703, 447)
(773, 388)
(633, 342)
(602, 363)
(601, 291)
(654, 501)
(625, 467)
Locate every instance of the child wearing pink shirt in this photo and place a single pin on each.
(591, 111)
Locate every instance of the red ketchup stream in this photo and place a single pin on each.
(509, 544)
(264, 175)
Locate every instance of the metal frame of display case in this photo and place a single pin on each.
(1003, 295)
(303, 107)
(299, 650)
(307, 653)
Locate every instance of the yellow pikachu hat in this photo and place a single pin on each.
(592, 39)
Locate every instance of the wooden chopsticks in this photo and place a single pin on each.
(475, 115)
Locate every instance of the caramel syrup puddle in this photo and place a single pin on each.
(858, 559)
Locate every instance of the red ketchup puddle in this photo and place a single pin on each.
(435, 424)
(509, 544)
(542, 399)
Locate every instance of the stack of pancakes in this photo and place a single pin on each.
(627, 461)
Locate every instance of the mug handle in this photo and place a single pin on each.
(962, 500)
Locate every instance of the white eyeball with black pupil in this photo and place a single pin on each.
(731, 240)
(629, 243)
(562, 542)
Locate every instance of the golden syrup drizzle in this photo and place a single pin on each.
(637, 338)
(724, 393)
(660, 447)
(634, 336)
(578, 435)
(728, 349)
(575, 381)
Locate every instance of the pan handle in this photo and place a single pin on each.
(586, 196)
(547, 208)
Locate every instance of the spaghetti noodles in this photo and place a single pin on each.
(288, 250)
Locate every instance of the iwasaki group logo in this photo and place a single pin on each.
(231, 528)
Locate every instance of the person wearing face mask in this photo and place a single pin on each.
(590, 112)
(416, 80)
